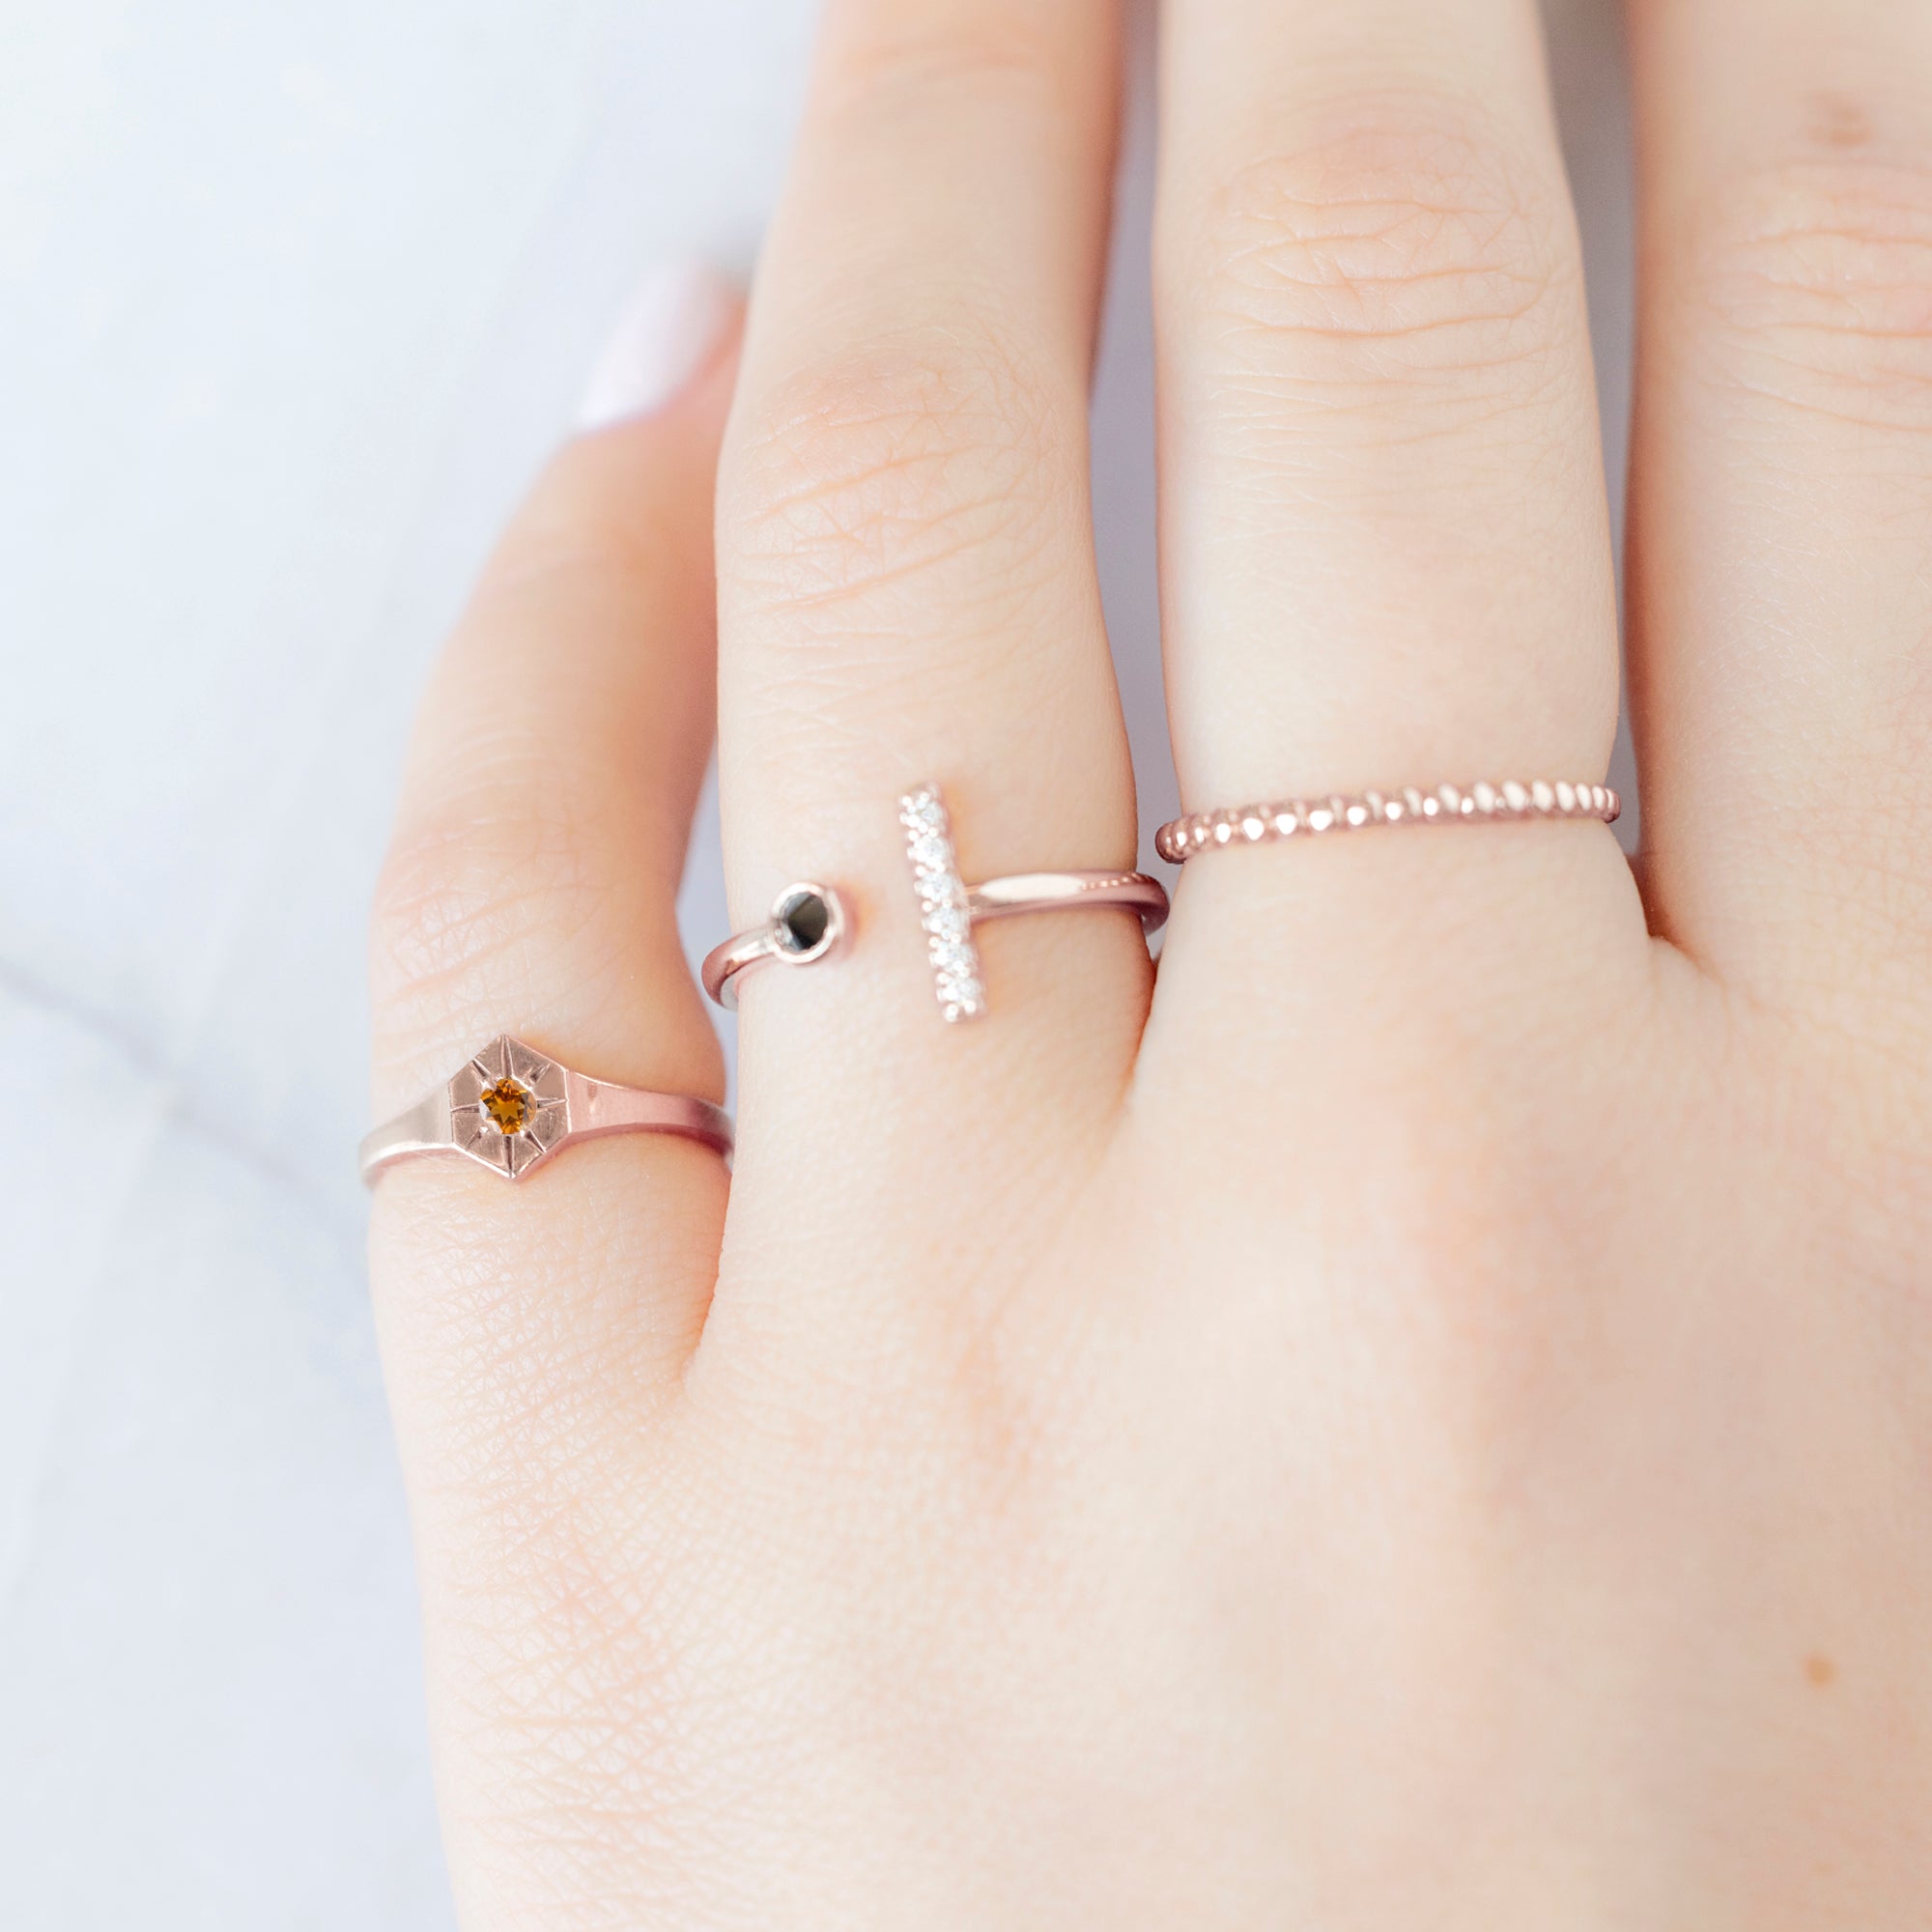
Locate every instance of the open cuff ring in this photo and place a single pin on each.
(810, 923)
(511, 1107)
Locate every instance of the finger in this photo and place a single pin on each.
(1384, 541)
(1781, 501)
(531, 890)
(907, 582)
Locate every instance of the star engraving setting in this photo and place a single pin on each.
(507, 1107)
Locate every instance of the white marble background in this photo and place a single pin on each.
(292, 300)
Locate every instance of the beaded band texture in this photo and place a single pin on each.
(1257, 824)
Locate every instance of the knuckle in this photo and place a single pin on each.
(1817, 275)
(473, 900)
(891, 471)
(1409, 241)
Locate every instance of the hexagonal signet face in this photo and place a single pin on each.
(506, 1107)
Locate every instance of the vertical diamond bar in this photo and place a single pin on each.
(942, 904)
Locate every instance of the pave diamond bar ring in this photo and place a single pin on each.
(810, 923)
(1290, 818)
(511, 1107)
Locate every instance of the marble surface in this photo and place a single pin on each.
(292, 300)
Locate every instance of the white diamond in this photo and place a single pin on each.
(966, 1005)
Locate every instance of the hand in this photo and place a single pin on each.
(1423, 1420)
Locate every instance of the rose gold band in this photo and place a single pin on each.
(1257, 824)
(511, 1108)
(997, 898)
(810, 923)
(1058, 891)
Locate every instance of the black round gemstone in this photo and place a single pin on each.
(803, 921)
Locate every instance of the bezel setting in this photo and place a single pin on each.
(783, 933)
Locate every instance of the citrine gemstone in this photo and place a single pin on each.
(509, 1106)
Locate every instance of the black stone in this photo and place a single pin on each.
(803, 921)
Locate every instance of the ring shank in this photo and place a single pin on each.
(723, 963)
(423, 1129)
(1068, 892)
(600, 1107)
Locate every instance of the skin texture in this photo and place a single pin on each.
(1424, 1419)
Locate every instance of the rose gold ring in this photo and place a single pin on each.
(1257, 824)
(511, 1108)
(810, 923)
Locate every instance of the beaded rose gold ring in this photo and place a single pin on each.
(1292, 818)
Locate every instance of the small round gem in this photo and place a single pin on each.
(802, 922)
(508, 1106)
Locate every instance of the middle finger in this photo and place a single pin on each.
(908, 592)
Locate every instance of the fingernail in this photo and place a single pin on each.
(667, 333)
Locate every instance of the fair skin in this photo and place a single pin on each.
(1424, 1419)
